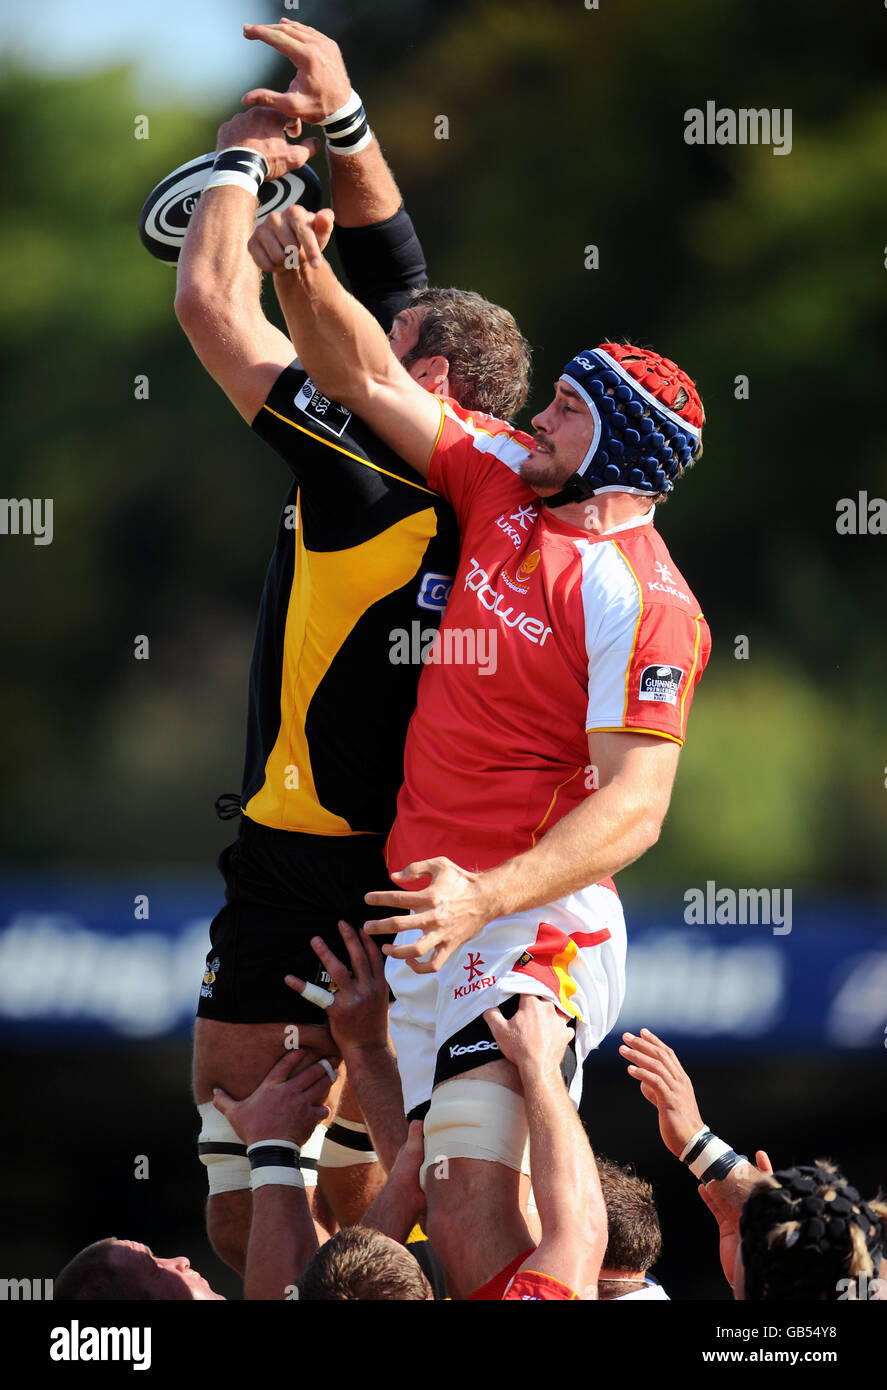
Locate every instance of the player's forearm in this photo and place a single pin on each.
(610, 829)
(282, 1240)
(374, 1078)
(566, 1185)
(393, 1211)
(339, 343)
(362, 187)
(216, 273)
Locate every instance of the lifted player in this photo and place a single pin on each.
(531, 784)
(363, 547)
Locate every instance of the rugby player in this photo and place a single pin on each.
(363, 547)
(634, 1239)
(527, 787)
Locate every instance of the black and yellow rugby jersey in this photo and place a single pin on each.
(365, 553)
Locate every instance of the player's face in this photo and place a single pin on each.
(167, 1279)
(562, 436)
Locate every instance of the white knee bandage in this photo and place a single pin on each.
(346, 1144)
(476, 1119)
(309, 1156)
(223, 1152)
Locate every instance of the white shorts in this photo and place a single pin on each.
(571, 951)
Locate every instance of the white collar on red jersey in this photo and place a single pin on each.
(628, 525)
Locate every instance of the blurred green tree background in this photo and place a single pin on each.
(565, 131)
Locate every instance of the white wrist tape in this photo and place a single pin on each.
(690, 1142)
(274, 1161)
(239, 166)
(347, 130)
(714, 1149)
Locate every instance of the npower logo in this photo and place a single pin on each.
(532, 628)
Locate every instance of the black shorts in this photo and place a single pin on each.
(282, 888)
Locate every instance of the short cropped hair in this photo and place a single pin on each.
(359, 1264)
(90, 1277)
(488, 355)
(634, 1240)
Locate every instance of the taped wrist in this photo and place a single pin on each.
(383, 263)
(709, 1158)
(274, 1161)
(309, 1155)
(347, 130)
(240, 166)
(347, 1143)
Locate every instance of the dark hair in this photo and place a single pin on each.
(806, 1233)
(91, 1277)
(634, 1240)
(489, 357)
(360, 1264)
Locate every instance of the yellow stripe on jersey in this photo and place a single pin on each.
(698, 621)
(351, 581)
(339, 450)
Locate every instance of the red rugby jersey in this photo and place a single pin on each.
(529, 1286)
(549, 632)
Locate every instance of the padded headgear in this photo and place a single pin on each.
(817, 1207)
(648, 421)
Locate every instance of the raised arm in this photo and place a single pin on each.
(340, 344)
(380, 253)
(273, 1122)
(566, 1184)
(218, 292)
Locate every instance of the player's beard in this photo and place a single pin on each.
(542, 471)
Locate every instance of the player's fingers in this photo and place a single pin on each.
(429, 938)
(497, 1024)
(762, 1162)
(256, 248)
(298, 155)
(374, 957)
(293, 982)
(647, 1078)
(314, 1081)
(384, 926)
(222, 1101)
(283, 1066)
(429, 967)
(392, 898)
(421, 868)
(275, 36)
(337, 971)
(360, 967)
(288, 104)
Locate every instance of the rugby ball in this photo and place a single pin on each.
(164, 218)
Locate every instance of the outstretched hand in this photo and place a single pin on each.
(449, 911)
(666, 1085)
(321, 84)
(358, 1015)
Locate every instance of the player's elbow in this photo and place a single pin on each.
(195, 303)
